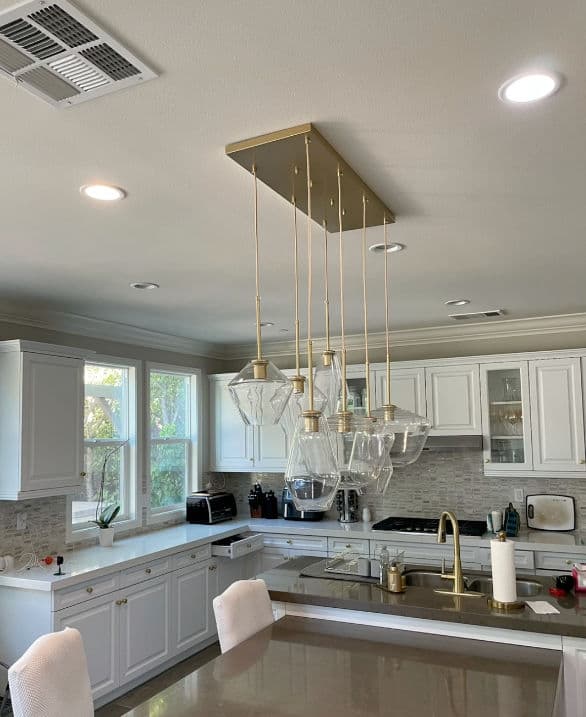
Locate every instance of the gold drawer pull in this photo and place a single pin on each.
(89, 590)
(212, 567)
(348, 545)
(569, 562)
(289, 542)
(123, 601)
(148, 571)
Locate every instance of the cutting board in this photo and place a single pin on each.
(550, 512)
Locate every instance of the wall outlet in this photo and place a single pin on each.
(519, 495)
(21, 521)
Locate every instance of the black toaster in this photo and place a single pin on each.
(209, 507)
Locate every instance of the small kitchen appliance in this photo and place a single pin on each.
(347, 505)
(551, 512)
(429, 525)
(209, 507)
(290, 512)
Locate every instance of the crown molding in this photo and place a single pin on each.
(128, 334)
(480, 331)
(110, 331)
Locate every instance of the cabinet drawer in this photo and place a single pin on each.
(523, 558)
(145, 571)
(238, 545)
(555, 561)
(188, 557)
(86, 591)
(429, 554)
(308, 543)
(342, 545)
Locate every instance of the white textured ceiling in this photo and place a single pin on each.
(489, 198)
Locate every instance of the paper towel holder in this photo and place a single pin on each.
(505, 606)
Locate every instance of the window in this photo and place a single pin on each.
(174, 450)
(109, 432)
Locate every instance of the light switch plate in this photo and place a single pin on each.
(21, 521)
(519, 495)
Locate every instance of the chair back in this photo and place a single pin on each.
(241, 611)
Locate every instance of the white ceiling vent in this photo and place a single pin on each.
(58, 54)
(490, 314)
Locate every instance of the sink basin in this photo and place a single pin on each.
(425, 579)
(525, 588)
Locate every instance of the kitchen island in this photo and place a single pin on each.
(305, 668)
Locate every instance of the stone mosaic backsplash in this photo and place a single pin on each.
(441, 479)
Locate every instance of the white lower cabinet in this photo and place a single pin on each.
(98, 622)
(192, 615)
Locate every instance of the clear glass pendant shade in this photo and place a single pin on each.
(361, 451)
(328, 379)
(312, 474)
(260, 392)
(298, 403)
(384, 479)
(410, 431)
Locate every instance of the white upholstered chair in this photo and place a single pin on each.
(241, 611)
(51, 679)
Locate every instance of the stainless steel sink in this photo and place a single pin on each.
(525, 588)
(425, 579)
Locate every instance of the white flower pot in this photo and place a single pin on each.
(106, 537)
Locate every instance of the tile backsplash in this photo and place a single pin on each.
(441, 479)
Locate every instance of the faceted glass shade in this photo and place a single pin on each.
(410, 431)
(384, 479)
(260, 401)
(328, 379)
(298, 403)
(361, 452)
(312, 475)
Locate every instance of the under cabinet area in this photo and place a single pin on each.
(41, 419)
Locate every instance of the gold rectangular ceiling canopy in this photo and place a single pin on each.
(276, 156)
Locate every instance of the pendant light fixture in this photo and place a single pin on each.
(260, 391)
(328, 373)
(410, 430)
(312, 474)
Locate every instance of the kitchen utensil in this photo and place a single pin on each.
(270, 508)
(579, 575)
(565, 582)
(550, 512)
(290, 512)
(497, 520)
(512, 522)
(394, 580)
(366, 515)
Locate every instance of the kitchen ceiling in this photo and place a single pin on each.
(488, 196)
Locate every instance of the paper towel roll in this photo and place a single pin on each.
(502, 557)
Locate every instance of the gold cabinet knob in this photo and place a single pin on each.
(487, 460)
(348, 545)
(148, 571)
(89, 590)
(212, 567)
(193, 556)
(569, 562)
(82, 474)
(123, 601)
(289, 542)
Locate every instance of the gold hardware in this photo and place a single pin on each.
(456, 576)
(365, 307)
(569, 562)
(275, 152)
(123, 601)
(249, 545)
(212, 568)
(328, 353)
(148, 571)
(348, 545)
(89, 590)
(505, 606)
(298, 384)
(82, 474)
(298, 380)
(259, 368)
(311, 421)
(289, 542)
(193, 556)
(487, 460)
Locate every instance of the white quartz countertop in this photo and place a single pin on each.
(85, 563)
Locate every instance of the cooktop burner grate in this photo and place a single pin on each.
(429, 525)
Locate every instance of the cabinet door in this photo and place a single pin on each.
(97, 621)
(230, 439)
(271, 558)
(506, 424)
(52, 422)
(270, 448)
(407, 389)
(453, 400)
(192, 621)
(557, 419)
(144, 627)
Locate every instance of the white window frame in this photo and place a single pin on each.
(132, 453)
(195, 452)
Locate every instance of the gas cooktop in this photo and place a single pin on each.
(429, 525)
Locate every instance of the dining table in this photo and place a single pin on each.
(305, 667)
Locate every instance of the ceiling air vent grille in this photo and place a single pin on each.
(489, 314)
(63, 57)
(108, 60)
(63, 26)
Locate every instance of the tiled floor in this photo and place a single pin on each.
(144, 692)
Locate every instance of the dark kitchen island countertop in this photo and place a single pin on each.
(286, 585)
(308, 668)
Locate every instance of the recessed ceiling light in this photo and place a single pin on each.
(391, 248)
(103, 192)
(457, 302)
(530, 87)
(266, 324)
(144, 285)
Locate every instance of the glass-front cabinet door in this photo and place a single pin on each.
(505, 416)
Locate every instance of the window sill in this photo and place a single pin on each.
(163, 516)
(80, 535)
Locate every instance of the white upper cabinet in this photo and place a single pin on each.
(557, 415)
(41, 420)
(453, 399)
(235, 446)
(506, 423)
(407, 388)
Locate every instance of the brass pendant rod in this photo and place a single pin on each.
(309, 276)
(296, 273)
(365, 307)
(341, 263)
(327, 289)
(387, 338)
(257, 266)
